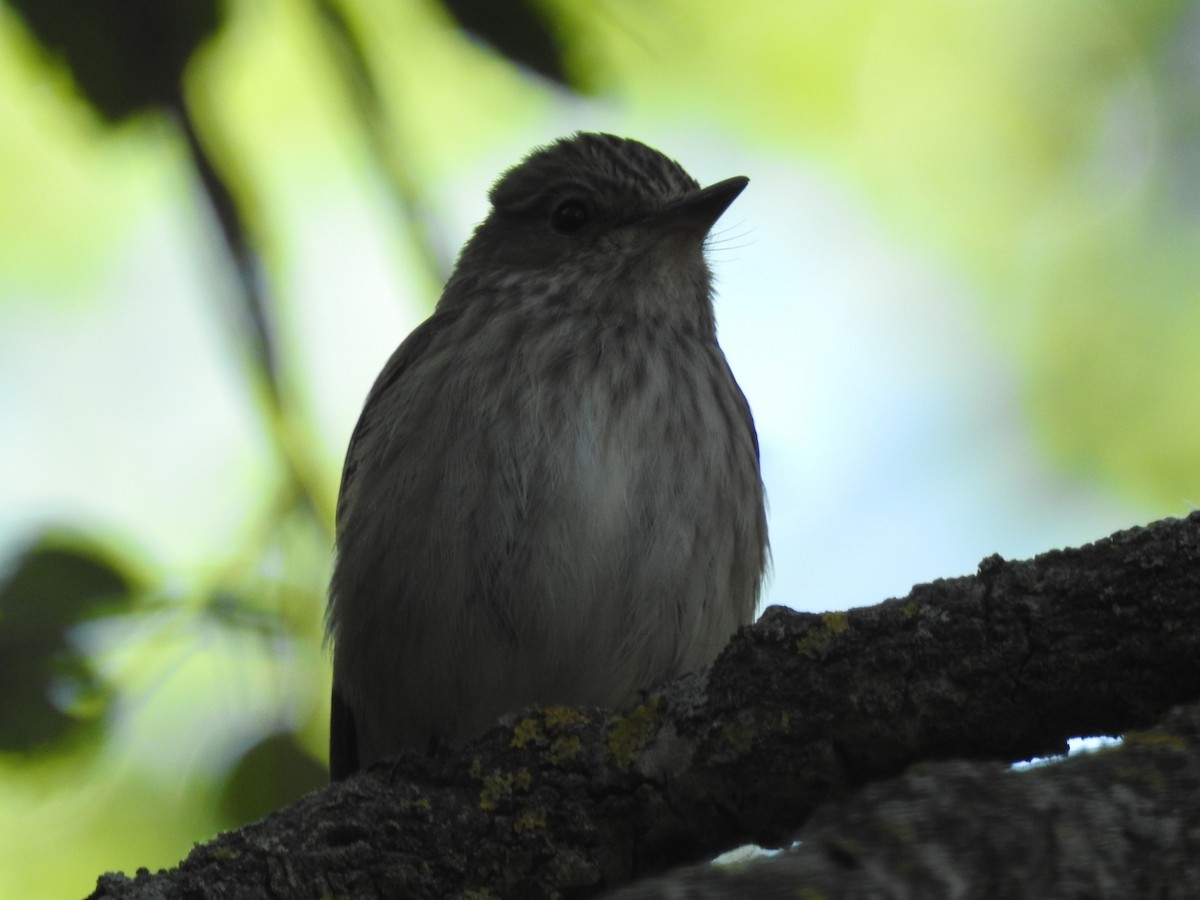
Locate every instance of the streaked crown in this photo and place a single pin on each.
(605, 163)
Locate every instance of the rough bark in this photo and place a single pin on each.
(797, 714)
(1121, 823)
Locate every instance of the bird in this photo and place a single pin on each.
(553, 493)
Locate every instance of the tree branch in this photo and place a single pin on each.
(800, 711)
(1117, 824)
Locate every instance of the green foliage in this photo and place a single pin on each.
(51, 693)
(267, 777)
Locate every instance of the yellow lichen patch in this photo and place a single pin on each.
(564, 749)
(500, 787)
(560, 716)
(421, 804)
(1154, 739)
(527, 731)
(836, 622)
(533, 730)
(630, 733)
(739, 738)
(531, 820)
(815, 643)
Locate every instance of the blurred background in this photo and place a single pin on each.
(962, 294)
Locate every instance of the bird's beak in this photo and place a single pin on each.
(698, 211)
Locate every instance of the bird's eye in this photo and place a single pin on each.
(569, 216)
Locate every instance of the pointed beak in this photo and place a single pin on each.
(698, 211)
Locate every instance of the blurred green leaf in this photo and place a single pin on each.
(44, 679)
(125, 55)
(270, 775)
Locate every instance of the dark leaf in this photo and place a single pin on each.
(49, 589)
(270, 775)
(515, 29)
(125, 55)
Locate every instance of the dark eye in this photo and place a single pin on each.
(569, 216)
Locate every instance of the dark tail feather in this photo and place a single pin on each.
(343, 738)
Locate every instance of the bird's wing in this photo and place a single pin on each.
(343, 731)
(405, 356)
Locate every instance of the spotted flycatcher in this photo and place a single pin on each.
(553, 493)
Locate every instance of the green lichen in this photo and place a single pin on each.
(837, 622)
(738, 737)
(531, 820)
(532, 730)
(499, 787)
(1154, 739)
(527, 731)
(563, 716)
(421, 804)
(564, 749)
(815, 643)
(630, 733)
